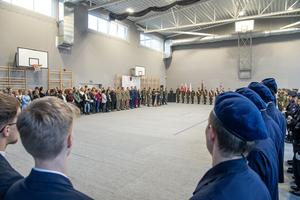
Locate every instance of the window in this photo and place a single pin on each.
(40, 6)
(61, 11)
(110, 28)
(151, 42)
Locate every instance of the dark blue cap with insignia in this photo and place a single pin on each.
(253, 96)
(293, 93)
(240, 116)
(271, 84)
(262, 91)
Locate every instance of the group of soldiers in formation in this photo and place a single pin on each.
(190, 95)
(132, 97)
(289, 102)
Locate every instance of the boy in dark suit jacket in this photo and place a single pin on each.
(46, 131)
(9, 111)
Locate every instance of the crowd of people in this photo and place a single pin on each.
(94, 100)
(245, 136)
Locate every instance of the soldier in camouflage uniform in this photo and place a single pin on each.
(123, 97)
(178, 94)
(193, 95)
(161, 93)
(148, 96)
(182, 96)
(119, 98)
(198, 93)
(211, 95)
(127, 97)
(144, 94)
(166, 95)
(204, 94)
(188, 94)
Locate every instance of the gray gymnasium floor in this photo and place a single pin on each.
(155, 153)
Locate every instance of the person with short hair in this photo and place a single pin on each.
(9, 111)
(46, 131)
(10, 92)
(233, 126)
(103, 100)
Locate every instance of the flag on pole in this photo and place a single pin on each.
(184, 88)
(181, 87)
(220, 87)
(202, 85)
(190, 87)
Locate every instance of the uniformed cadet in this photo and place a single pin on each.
(290, 111)
(211, 95)
(135, 96)
(166, 95)
(123, 97)
(131, 92)
(266, 95)
(119, 98)
(161, 93)
(193, 95)
(230, 177)
(148, 96)
(153, 96)
(127, 96)
(182, 96)
(178, 94)
(296, 148)
(263, 159)
(144, 94)
(158, 96)
(204, 94)
(198, 95)
(223, 90)
(228, 90)
(217, 92)
(188, 94)
(280, 100)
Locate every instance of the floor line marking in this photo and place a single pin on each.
(190, 127)
(185, 114)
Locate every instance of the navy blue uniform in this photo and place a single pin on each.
(276, 136)
(231, 180)
(278, 117)
(8, 176)
(132, 97)
(45, 186)
(263, 159)
(135, 96)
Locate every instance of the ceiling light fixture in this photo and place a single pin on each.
(129, 10)
(290, 8)
(241, 13)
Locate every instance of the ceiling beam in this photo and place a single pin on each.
(290, 25)
(168, 12)
(225, 20)
(109, 3)
(189, 33)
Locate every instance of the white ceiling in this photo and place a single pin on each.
(202, 15)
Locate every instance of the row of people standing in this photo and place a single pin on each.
(292, 114)
(255, 130)
(190, 95)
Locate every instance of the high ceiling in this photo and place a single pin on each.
(199, 16)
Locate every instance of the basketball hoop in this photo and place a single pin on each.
(36, 67)
(244, 28)
(142, 76)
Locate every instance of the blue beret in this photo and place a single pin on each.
(271, 84)
(262, 91)
(298, 94)
(293, 93)
(253, 96)
(240, 116)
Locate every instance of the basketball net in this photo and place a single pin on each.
(244, 28)
(36, 67)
